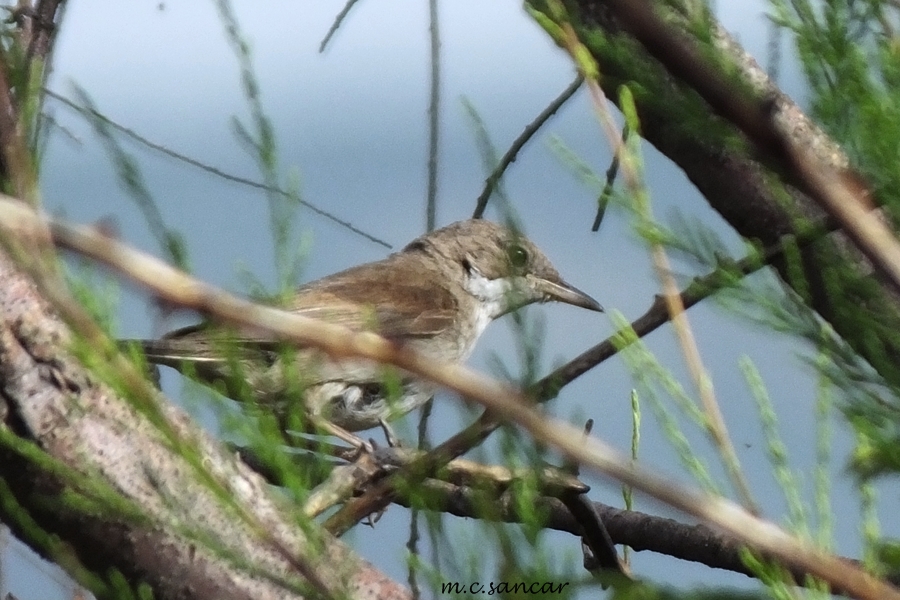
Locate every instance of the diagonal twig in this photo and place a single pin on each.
(548, 387)
(507, 403)
(209, 168)
(336, 24)
(510, 156)
(843, 194)
(629, 162)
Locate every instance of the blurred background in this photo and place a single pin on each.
(352, 139)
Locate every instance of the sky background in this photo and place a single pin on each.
(352, 136)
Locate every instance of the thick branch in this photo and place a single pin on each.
(112, 478)
(503, 401)
(746, 185)
(640, 531)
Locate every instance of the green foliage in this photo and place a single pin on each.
(583, 171)
(78, 494)
(627, 490)
(131, 179)
(887, 553)
(871, 527)
(788, 479)
(259, 139)
(869, 390)
(654, 382)
(623, 62)
(95, 291)
(822, 479)
(777, 579)
(25, 77)
(121, 588)
(487, 150)
(849, 51)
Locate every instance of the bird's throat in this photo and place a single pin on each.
(492, 298)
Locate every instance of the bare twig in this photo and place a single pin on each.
(257, 525)
(715, 421)
(434, 113)
(208, 168)
(640, 531)
(594, 533)
(844, 195)
(44, 26)
(434, 121)
(606, 193)
(548, 387)
(512, 153)
(20, 98)
(502, 400)
(336, 24)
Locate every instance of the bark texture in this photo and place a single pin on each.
(140, 488)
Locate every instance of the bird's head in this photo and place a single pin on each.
(500, 267)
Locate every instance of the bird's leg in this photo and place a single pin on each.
(326, 426)
(392, 440)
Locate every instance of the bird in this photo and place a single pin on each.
(436, 296)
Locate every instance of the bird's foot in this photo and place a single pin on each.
(360, 445)
(390, 437)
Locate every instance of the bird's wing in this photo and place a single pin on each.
(400, 302)
(390, 321)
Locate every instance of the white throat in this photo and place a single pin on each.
(493, 297)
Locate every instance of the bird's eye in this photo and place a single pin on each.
(518, 256)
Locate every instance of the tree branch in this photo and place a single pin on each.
(131, 483)
(501, 400)
(744, 185)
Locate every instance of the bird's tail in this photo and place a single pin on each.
(142, 352)
(173, 352)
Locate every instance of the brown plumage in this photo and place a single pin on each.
(436, 295)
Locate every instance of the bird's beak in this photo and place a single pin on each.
(563, 292)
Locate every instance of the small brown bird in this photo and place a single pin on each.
(437, 295)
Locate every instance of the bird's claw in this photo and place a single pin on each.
(392, 440)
